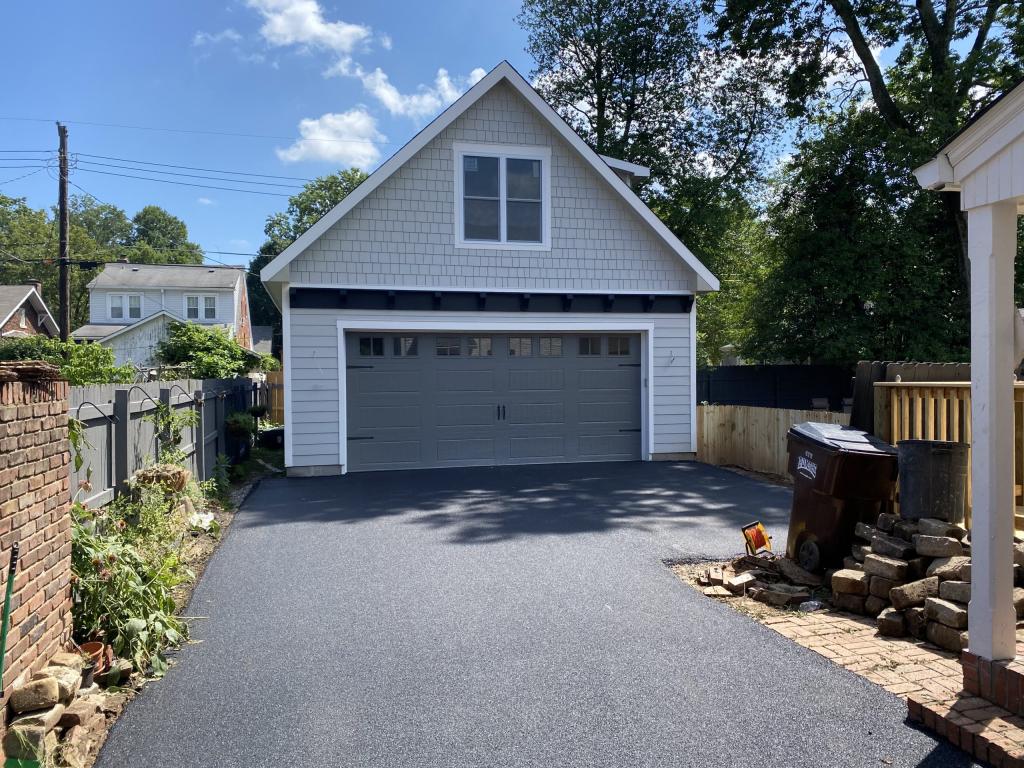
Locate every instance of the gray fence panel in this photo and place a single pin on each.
(120, 436)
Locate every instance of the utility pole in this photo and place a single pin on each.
(65, 255)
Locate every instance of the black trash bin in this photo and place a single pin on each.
(841, 476)
(933, 479)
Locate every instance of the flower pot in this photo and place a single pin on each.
(96, 653)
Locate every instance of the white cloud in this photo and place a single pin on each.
(205, 201)
(302, 22)
(212, 38)
(385, 41)
(347, 138)
(426, 101)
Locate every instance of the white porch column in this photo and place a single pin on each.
(992, 242)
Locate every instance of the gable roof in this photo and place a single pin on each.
(108, 331)
(13, 296)
(122, 275)
(503, 72)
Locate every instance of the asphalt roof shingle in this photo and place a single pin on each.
(119, 275)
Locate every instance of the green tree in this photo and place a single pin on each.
(208, 352)
(282, 229)
(155, 227)
(80, 364)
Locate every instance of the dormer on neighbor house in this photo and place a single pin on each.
(23, 312)
(131, 305)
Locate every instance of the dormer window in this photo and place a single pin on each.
(125, 306)
(503, 197)
(198, 307)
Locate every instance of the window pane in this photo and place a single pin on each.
(448, 346)
(590, 345)
(551, 346)
(482, 219)
(480, 346)
(406, 346)
(522, 179)
(371, 346)
(480, 176)
(618, 345)
(192, 307)
(117, 306)
(210, 307)
(524, 222)
(520, 346)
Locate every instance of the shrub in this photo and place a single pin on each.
(88, 363)
(241, 423)
(208, 352)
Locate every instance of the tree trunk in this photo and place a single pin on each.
(951, 206)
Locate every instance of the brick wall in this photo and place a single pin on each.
(34, 511)
(23, 324)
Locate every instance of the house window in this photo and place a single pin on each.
(551, 346)
(200, 307)
(590, 345)
(406, 346)
(125, 305)
(448, 346)
(520, 346)
(503, 196)
(22, 318)
(371, 346)
(480, 346)
(618, 346)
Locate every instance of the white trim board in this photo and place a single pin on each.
(503, 72)
(569, 325)
(546, 291)
(42, 311)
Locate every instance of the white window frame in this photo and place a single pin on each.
(504, 152)
(126, 312)
(201, 297)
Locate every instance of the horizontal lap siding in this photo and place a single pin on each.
(314, 375)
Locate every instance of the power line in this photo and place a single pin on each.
(195, 131)
(24, 176)
(188, 175)
(192, 167)
(187, 183)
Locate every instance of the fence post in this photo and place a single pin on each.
(164, 435)
(200, 436)
(122, 422)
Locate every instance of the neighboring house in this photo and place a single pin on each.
(494, 293)
(23, 312)
(132, 305)
(263, 339)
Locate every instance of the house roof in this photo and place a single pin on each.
(271, 273)
(108, 331)
(13, 296)
(121, 275)
(262, 339)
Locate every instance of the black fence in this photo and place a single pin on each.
(798, 387)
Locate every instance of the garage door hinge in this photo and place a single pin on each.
(360, 437)
(621, 430)
(352, 367)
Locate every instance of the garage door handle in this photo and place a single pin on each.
(503, 413)
(498, 416)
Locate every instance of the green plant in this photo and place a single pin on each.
(240, 423)
(122, 596)
(170, 423)
(80, 364)
(206, 352)
(259, 411)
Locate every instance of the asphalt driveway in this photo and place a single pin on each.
(518, 616)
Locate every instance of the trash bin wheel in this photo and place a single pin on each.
(809, 555)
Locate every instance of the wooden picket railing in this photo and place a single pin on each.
(942, 411)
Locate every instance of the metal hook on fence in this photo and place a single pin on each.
(145, 394)
(78, 411)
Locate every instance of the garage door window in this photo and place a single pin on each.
(618, 346)
(520, 346)
(480, 346)
(406, 346)
(448, 346)
(590, 345)
(551, 346)
(371, 346)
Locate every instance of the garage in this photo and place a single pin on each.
(418, 400)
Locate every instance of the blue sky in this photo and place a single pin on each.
(335, 84)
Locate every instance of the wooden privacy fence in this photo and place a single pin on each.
(942, 411)
(750, 437)
(119, 435)
(275, 396)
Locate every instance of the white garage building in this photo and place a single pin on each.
(494, 293)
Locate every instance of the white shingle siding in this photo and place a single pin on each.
(314, 418)
(403, 233)
(170, 299)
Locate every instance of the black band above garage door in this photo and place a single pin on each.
(466, 301)
(437, 400)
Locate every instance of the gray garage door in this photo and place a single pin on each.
(439, 400)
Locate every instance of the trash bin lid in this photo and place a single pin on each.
(841, 438)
